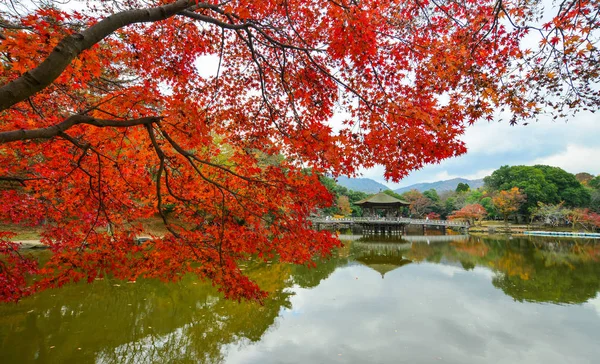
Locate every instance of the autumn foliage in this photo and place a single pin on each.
(344, 205)
(108, 114)
(433, 216)
(508, 202)
(471, 213)
(584, 218)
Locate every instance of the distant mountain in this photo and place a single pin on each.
(366, 185)
(440, 186)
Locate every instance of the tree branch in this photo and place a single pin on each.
(208, 19)
(70, 47)
(20, 180)
(54, 130)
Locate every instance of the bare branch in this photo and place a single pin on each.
(58, 129)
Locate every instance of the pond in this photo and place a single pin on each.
(448, 299)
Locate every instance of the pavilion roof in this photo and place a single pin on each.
(385, 265)
(381, 198)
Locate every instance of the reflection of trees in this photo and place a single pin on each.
(309, 277)
(472, 247)
(536, 269)
(566, 272)
(513, 264)
(144, 322)
(542, 270)
(559, 284)
(419, 252)
(189, 322)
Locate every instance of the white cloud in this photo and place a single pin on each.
(575, 159)
(479, 174)
(448, 270)
(571, 145)
(537, 137)
(490, 138)
(445, 175)
(442, 176)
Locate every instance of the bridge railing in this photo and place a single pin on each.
(392, 219)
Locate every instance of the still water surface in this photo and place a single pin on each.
(470, 300)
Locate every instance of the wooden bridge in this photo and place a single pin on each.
(380, 225)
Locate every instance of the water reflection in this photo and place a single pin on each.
(382, 257)
(144, 322)
(457, 299)
(536, 270)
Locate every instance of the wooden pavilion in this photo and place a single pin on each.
(382, 203)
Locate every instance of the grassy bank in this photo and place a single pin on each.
(493, 227)
(151, 226)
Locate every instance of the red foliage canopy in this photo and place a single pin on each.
(107, 115)
(471, 213)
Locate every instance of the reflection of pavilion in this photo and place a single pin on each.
(381, 257)
(381, 204)
(383, 264)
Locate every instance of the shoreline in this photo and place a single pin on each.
(30, 244)
(34, 244)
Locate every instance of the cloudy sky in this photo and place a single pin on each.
(573, 145)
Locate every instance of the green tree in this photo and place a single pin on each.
(595, 200)
(338, 191)
(549, 185)
(393, 194)
(462, 187)
(447, 203)
(488, 205)
(570, 190)
(474, 196)
(432, 195)
(595, 182)
(437, 203)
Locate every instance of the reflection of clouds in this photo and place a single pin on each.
(483, 272)
(421, 313)
(594, 303)
(449, 270)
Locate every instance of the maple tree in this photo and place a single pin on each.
(433, 216)
(471, 213)
(107, 116)
(418, 202)
(343, 203)
(508, 202)
(584, 217)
